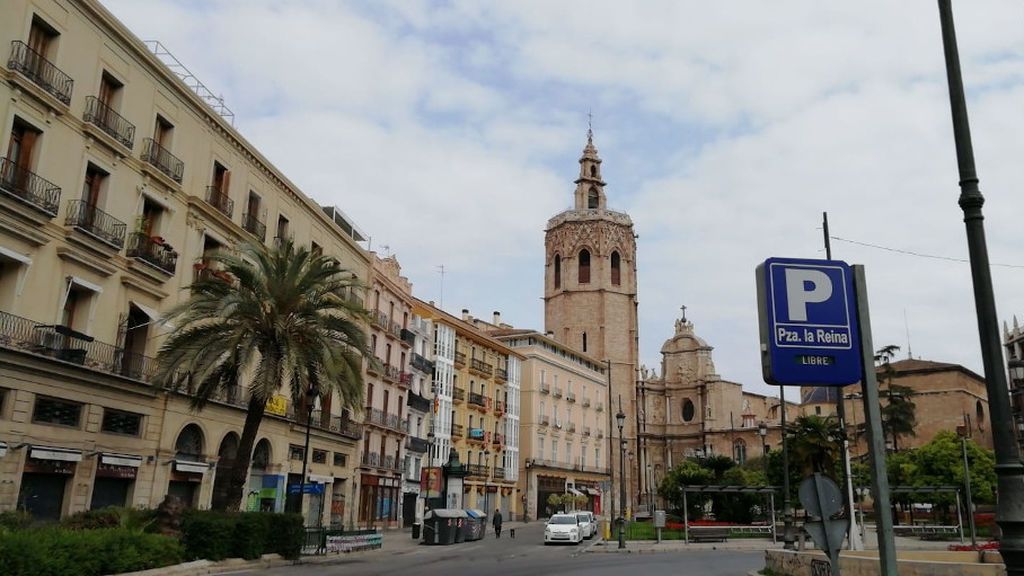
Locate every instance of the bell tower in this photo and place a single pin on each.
(590, 300)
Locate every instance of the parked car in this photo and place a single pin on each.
(563, 528)
(588, 525)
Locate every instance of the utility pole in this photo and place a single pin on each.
(1009, 469)
(788, 535)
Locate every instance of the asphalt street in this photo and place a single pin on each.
(526, 556)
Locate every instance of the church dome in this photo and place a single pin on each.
(684, 340)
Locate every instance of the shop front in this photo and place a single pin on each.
(45, 481)
(378, 500)
(187, 481)
(115, 480)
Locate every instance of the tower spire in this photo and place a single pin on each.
(589, 186)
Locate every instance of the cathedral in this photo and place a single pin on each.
(590, 304)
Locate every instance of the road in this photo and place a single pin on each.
(525, 556)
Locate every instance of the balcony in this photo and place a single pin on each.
(480, 367)
(373, 366)
(458, 394)
(41, 71)
(557, 393)
(408, 337)
(478, 400)
(586, 430)
(501, 375)
(381, 320)
(418, 403)
(371, 459)
(498, 439)
(477, 470)
(253, 226)
(545, 388)
(417, 445)
(477, 435)
(392, 373)
(160, 158)
(572, 427)
(337, 424)
(544, 420)
(405, 379)
(96, 223)
(600, 433)
(422, 364)
(219, 200)
(571, 397)
(460, 359)
(28, 188)
(110, 122)
(458, 431)
(395, 329)
(586, 402)
(390, 462)
(381, 419)
(600, 407)
(499, 407)
(63, 343)
(499, 473)
(153, 251)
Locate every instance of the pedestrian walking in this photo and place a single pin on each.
(497, 523)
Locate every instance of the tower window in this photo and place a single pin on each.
(558, 271)
(593, 170)
(616, 269)
(592, 199)
(584, 341)
(584, 273)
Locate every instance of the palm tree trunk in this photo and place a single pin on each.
(238, 474)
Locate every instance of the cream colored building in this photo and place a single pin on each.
(565, 423)
(116, 180)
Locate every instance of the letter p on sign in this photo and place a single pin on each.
(805, 286)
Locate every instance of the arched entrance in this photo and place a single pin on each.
(190, 446)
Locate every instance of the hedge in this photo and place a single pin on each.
(62, 552)
(218, 535)
(112, 517)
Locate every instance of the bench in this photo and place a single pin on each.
(709, 534)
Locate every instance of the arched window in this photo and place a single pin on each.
(584, 273)
(616, 269)
(261, 455)
(189, 445)
(688, 410)
(739, 451)
(593, 170)
(228, 451)
(980, 411)
(558, 271)
(592, 199)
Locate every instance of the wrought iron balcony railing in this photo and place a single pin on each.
(162, 159)
(253, 226)
(113, 124)
(571, 397)
(481, 367)
(460, 358)
(544, 420)
(337, 424)
(422, 364)
(458, 430)
(152, 250)
(418, 445)
(380, 318)
(586, 402)
(545, 388)
(499, 473)
(371, 459)
(458, 394)
(557, 393)
(477, 399)
(418, 403)
(220, 200)
(29, 188)
(41, 71)
(97, 223)
(408, 337)
(383, 419)
(405, 379)
(498, 439)
(392, 373)
(501, 374)
(499, 407)
(477, 470)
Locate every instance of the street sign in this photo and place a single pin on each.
(808, 321)
(306, 488)
(822, 500)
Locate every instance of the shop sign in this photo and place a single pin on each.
(111, 471)
(268, 493)
(50, 467)
(121, 460)
(55, 454)
(277, 405)
(191, 467)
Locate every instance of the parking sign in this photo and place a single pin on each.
(808, 321)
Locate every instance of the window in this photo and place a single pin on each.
(688, 410)
(373, 344)
(109, 95)
(979, 410)
(593, 170)
(739, 451)
(20, 149)
(282, 228)
(540, 447)
(58, 412)
(616, 269)
(584, 344)
(75, 312)
(92, 187)
(584, 267)
(261, 455)
(340, 459)
(41, 37)
(190, 444)
(120, 422)
(315, 249)
(4, 394)
(558, 271)
(319, 456)
(554, 451)
(817, 410)
(592, 199)
(163, 132)
(296, 452)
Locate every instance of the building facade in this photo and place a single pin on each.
(1013, 341)
(564, 426)
(421, 411)
(590, 290)
(117, 181)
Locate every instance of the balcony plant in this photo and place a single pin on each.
(285, 320)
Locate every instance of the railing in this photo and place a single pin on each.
(337, 424)
(600, 407)
(105, 118)
(390, 462)
(371, 459)
(220, 200)
(381, 320)
(501, 374)
(41, 71)
(545, 388)
(418, 445)
(383, 419)
(498, 439)
(458, 430)
(27, 187)
(499, 473)
(395, 329)
(499, 407)
(481, 366)
(458, 394)
(557, 393)
(545, 420)
(162, 159)
(572, 427)
(570, 397)
(417, 402)
(477, 399)
(253, 226)
(408, 337)
(392, 373)
(586, 430)
(460, 358)
(600, 433)
(153, 251)
(477, 469)
(586, 402)
(422, 364)
(96, 222)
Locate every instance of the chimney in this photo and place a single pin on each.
(549, 334)
(465, 314)
(497, 318)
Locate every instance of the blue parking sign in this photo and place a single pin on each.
(808, 321)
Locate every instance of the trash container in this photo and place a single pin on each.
(443, 526)
(461, 522)
(476, 524)
(416, 531)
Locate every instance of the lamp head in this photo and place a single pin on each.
(620, 419)
(762, 429)
(1016, 370)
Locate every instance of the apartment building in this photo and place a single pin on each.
(565, 422)
(117, 182)
(421, 408)
(477, 385)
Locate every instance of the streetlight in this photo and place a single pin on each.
(788, 532)
(487, 473)
(430, 467)
(620, 420)
(964, 433)
(762, 431)
(311, 396)
(1016, 371)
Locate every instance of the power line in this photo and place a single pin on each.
(918, 254)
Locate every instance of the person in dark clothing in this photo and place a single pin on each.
(497, 523)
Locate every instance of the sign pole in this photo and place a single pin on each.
(876, 439)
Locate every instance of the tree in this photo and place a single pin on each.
(814, 444)
(717, 464)
(688, 473)
(940, 463)
(283, 320)
(899, 417)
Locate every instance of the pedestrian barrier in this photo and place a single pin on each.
(320, 541)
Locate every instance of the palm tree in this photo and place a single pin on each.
(284, 320)
(899, 415)
(814, 442)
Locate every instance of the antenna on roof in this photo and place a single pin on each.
(440, 269)
(906, 326)
(178, 69)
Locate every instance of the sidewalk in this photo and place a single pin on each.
(401, 541)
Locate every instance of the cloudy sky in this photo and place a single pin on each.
(450, 132)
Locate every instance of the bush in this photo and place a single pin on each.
(217, 535)
(60, 552)
(112, 517)
(15, 520)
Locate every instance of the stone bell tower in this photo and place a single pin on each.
(590, 301)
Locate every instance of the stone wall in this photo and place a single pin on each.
(908, 563)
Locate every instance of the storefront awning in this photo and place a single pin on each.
(575, 492)
(114, 459)
(61, 454)
(191, 467)
(593, 491)
(320, 479)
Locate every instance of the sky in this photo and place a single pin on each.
(450, 133)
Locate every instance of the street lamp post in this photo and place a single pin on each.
(762, 431)
(620, 420)
(487, 474)
(1009, 469)
(964, 433)
(310, 400)
(430, 467)
(788, 533)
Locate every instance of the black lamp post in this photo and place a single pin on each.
(487, 474)
(310, 400)
(430, 466)
(788, 528)
(620, 420)
(762, 431)
(964, 433)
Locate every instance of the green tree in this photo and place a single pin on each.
(688, 473)
(282, 317)
(940, 463)
(717, 464)
(899, 418)
(814, 444)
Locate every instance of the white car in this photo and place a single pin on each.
(563, 528)
(588, 526)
